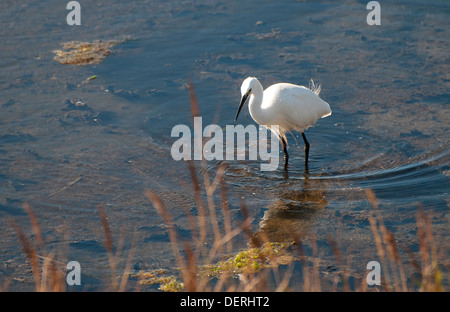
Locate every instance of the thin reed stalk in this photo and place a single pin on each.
(387, 248)
(226, 211)
(190, 284)
(31, 253)
(47, 276)
(431, 275)
(118, 282)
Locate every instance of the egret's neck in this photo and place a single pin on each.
(255, 103)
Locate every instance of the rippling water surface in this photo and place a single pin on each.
(388, 87)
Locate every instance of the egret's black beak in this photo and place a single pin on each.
(243, 100)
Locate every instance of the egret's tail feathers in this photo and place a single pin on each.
(314, 88)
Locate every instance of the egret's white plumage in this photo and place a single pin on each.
(290, 107)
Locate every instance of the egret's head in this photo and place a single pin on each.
(246, 89)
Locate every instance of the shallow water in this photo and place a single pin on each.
(388, 87)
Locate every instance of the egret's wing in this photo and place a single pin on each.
(296, 107)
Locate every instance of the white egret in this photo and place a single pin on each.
(288, 106)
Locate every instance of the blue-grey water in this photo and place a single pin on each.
(388, 87)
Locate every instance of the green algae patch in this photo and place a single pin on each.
(85, 53)
(253, 260)
(167, 283)
(248, 261)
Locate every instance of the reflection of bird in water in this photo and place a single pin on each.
(290, 216)
(284, 107)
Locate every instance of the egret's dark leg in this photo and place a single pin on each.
(286, 155)
(306, 149)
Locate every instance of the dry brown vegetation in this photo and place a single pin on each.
(201, 267)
